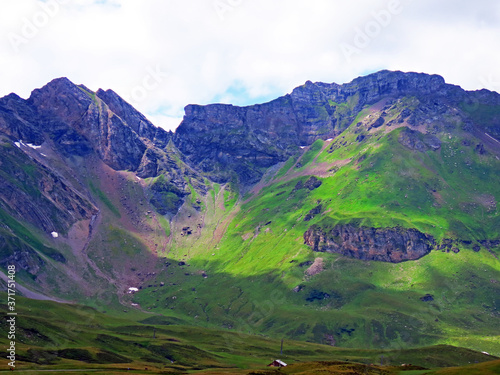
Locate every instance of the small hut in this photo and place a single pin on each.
(277, 363)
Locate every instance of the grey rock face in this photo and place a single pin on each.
(380, 244)
(224, 139)
(14, 112)
(14, 251)
(134, 119)
(72, 112)
(415, 141)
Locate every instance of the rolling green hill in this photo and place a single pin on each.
(58, 337)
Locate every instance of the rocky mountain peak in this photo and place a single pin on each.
(59, 94)
(134, 119)
(397, 82)
(371, 88)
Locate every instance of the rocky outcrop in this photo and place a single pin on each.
(224, 141)
(134, 119)
(315, 268)
(311, 183)
(380, 244)
(77, 122)
(15, 116)
(418, 142)
(167, 198)
(312, 213)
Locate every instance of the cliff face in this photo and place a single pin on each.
(62, 156)
(380, 244)
(223, 140)
(134, 119)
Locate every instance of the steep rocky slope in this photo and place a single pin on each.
(66, 157)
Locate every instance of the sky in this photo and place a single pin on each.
(161, 55)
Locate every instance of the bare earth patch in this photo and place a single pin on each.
(488, 201)
(315, 268)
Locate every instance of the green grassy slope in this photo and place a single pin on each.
(258, 267)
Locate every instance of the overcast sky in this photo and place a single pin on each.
(161, 55)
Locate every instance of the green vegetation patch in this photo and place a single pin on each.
(28, 237)
(104, 199)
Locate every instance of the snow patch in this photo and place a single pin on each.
(302, 147)
(43, 154)
(54, 234)
(21, 143)
(486, 353)
(134, 304)
(329, 139)
(132, 289)
(33, 146)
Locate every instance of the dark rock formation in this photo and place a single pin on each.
(311, 183)
(480, 149)
(13, 114)
(134, 119)
(76, 119)
(312, 213)
(317, 295)
(427, 298)
(418, 142)
(224, 139)
(79, 122)
(378, 122)
(167, 198)
(381, 244)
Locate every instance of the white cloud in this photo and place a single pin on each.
(244, 51)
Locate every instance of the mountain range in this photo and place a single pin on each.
(360, 215)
